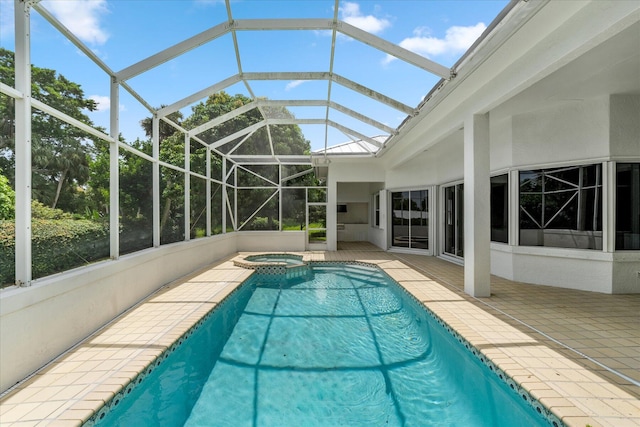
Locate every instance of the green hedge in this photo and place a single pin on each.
(57, 245)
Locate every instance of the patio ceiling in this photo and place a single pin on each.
(332, 107)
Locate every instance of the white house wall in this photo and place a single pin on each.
(562, 90)
(566, 133)
(347, 170)
(441, 163)
(624, 130)
(357, 192)
(501, 146)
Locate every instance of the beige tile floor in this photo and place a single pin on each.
(524, 329)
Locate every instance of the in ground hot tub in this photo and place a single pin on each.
(289, 265)
(288, 259)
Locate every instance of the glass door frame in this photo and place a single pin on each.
(457, 220)
(431, 227)
(310, 243)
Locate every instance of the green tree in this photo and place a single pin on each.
(61, 153)
(166, 130)
(7, 199)
(287, 139)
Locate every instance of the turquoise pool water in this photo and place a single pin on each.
(343, 347)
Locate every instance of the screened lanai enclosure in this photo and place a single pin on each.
(141, 141)
(157, 157)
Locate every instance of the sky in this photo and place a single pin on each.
(123, 32)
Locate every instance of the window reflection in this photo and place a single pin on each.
(628, 206)
(561, 207)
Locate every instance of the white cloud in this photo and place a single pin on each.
(103, 102)
(351, 14)
(456, 40)
(82, 18)
(294, 84)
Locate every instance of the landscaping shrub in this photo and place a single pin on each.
(58, 242)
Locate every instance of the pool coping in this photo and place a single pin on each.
(271, 269)
(275, 270)
(96, 396)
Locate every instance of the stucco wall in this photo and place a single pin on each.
(562, 134)
(276, 241)
(583, 270)
(624, 129)
(626, 273)
(40, 322)
(353, 192)
(441, 163)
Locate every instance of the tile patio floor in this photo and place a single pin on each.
(567, 348)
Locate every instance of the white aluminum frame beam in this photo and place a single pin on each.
(275, 192)
(23, 246)
(256, 126)
(343, 81)
(241, 142)
(364, 90)
(296, 175)
(223, 118)
(252, 159)
(114, 172)
(238, 134)
(87, 51)
(394, 50)
(352, 132)
(284, 24)
(201, 94)
(70, 120)
(258, 103)
(257, 175)
(362, 118)
(173, 52)
(72, 38)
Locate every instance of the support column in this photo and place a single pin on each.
(608, 211)
(23, 144)
(224, 194)
(114, 170)
(513, 205)
(332, 213)
(208, 191)
(477, 196)
(155, 177)
(187, 188)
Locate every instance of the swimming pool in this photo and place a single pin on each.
(343, 346)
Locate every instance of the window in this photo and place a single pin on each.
(410, 219)
(500, 208)
(627, 206)
(561, 207)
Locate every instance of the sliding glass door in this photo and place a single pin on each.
(454, 220)
(410, 219)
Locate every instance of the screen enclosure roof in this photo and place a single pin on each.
(349, 74)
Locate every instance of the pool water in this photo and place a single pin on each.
(343, 347)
